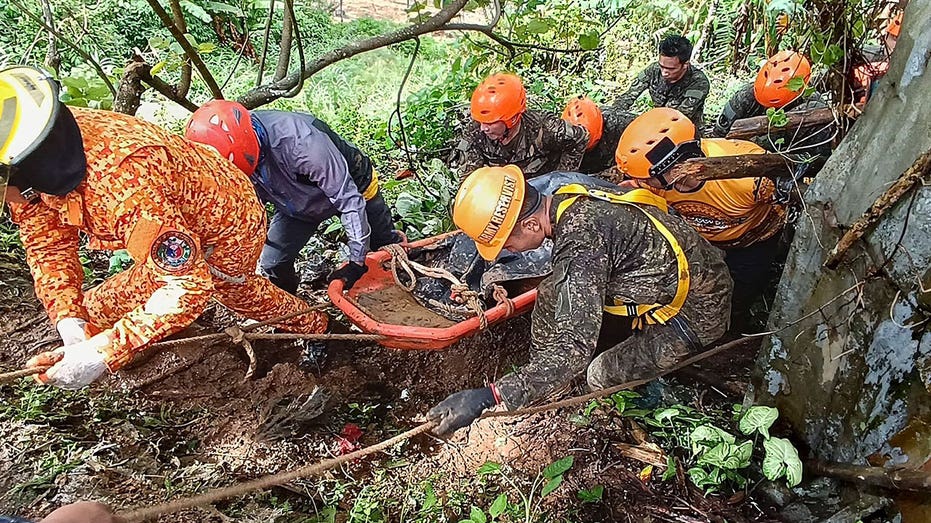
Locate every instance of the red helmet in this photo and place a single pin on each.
(225, 125)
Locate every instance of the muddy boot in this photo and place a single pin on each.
(313, 355)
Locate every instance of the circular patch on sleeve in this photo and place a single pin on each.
(173, 251)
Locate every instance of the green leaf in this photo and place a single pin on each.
(796, 83)
(477, 516)
(591, 495)
(196, 11)
(670, 471)
(589, 41)
(705, 436)
(758, 419)
(157, 42)
(728, 456)
(220, 7)
(157, 68)
(430, 500)
(407, 204)
(551, 485)
(206, 47)
(74, 82)
(537, 26)
(782, 460)
(777, 117)
(558, 467)
(498, 506)
(490, 467)
(666, 414)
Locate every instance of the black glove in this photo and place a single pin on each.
(349, 273)
(460, 409)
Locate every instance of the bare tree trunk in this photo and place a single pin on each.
(52, 58)
(129, 92)
(184, 83)
(284, 59)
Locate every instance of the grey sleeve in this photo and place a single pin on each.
(323, 164)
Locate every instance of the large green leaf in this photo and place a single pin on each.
(705, 436)
(589, 41)
(537, 26)
(490, 467)
(477, 516)
(728, 456)
(758, 419)
(498, 506)
(551, 485)
(558, 467)
(196, 11)
(782, 460)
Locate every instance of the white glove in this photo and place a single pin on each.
(71, 330)
(73, 366)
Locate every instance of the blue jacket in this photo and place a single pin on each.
(308, 172)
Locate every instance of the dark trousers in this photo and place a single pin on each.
(750, 268)
(288, 235)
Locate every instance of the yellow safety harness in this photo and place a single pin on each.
(654, 313)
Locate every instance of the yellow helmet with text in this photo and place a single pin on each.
(488, 205)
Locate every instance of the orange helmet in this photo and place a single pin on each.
(499, 98)
(582, 111)
(771, 86)
(633, 155)
(487, 207)
(895, 25)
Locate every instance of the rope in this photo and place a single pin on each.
(240, 489)
(8, 377)
(236, 334)
(458, 289)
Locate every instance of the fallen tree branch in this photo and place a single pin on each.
(909, 179)
(728, 167)
(892, 479)
(760, 125)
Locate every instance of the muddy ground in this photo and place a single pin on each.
(185, 421)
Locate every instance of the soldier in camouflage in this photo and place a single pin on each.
(672, 81)
(615, 254)
(772, 89)
(504, 132)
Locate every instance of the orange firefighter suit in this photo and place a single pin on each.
(189, 219)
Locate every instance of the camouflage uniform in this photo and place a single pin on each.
(603, 252)
(744, 105)
(687, 95)
(601, 156)
(544, 143)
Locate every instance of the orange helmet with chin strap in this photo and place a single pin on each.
(650, 138)
(499, 98)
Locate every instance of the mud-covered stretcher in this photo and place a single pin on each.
(382, 303)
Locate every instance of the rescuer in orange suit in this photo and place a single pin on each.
(189, 219)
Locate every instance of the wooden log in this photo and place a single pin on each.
(727, 167)
(892, 479)
(909, 179)
(759, 125)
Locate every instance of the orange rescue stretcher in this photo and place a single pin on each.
(380, 278)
